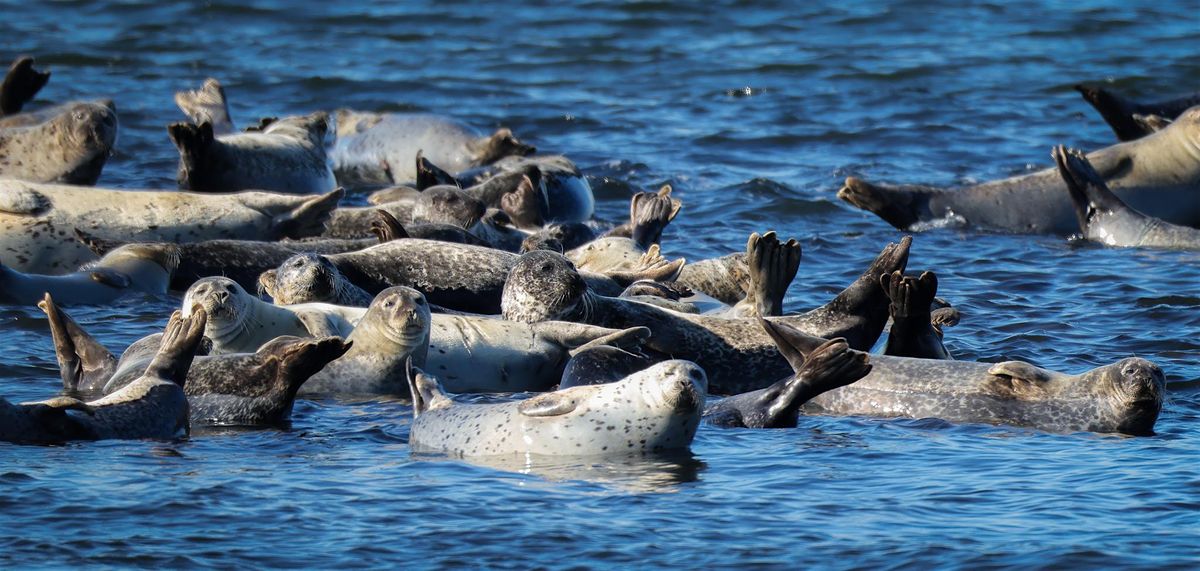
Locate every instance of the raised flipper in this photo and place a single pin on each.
(1151, 123)
(207, 104)
(1115, 110)
(310, 217)
(831, 365)
(913, 333)
(864, 297)
(772, 266)
(944, 317)
(263, 123)
(793, 344)
(652, 266)
(386, 228)
(180, 341)
(194, 143)
(501, 144)
(525, 205)
(628, 339)
(15, 199)
(1018, 380)
(900, 206)
(1089, 193)
(83, 363)
(429, 174)
(21, 85)
(649, 215)
(426, 391)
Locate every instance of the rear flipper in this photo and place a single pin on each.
(649, 215)
(310, 217)
(652, 266)
(943, 317)
(1151, 123)
(180, 341)
(525, 205)
(772, 266)
(207, 104)
(1089, 193)
(913, 333)
(84, 364)
(1115, 110)
(900, 206)
(99, 246)
(386, 228)
(429, 174)
(831, 365)
(194, 143)
(21, 85)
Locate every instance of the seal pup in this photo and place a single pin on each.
(1158, 175)
(21, 84)
(1122, 114)
(736, 353)
(241, 323)
(1124, 397)
(144, 268)
(1105, 219)
(377, 148)
(38, 221)
(654, 410)
(913, 332)
(394, 330)
(153, 406)
(287, 155)
(68, 143)
(832, 365)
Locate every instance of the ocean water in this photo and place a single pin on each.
(754, 112)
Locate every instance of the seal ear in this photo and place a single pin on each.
(547, 404)
(1018, 380)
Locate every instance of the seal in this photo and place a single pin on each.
(394, 330)
(241, 323)
(1124, 397)
(21, 84)
(568, 195)
(68, 143)
(913, 333)
(655, 410)
(311, 278)
(624, 245)
(136, 268)
(438, 205)
(736, 353)
(287, 155)
(38, 221)
(832, 365)
(1106, 219)
(1121, 113)
(153, 406)
(242, 389)
(378, 148)
(1158, 175)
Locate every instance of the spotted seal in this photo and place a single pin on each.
(654, 410)
(144, 268)
(287, 155)
(37, 221)
(736, 353)
(1158, 175)
(1122, 114)
(1124, 397)
(241, 323)
(68, 143)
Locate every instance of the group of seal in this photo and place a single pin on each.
(479, 268)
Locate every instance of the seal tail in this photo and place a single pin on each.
(1116, 111)
(386, 228)
(99, 246)
(194, 143)
(20, 85)
(429, 174)
(900, 206)
(180, 341)
(207, 104)
(309, 218)
(82, 361)
(1089, 193)
(772, 266)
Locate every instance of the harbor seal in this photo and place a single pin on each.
(38, 221)
(378, 148)
(1122, 114)
(21, 84)
(1158, 175)
(321, 282)
(1124, 397)
(654, 410)
(287, 155)
(737, 354)
(144, 268)
(394, 330)
(568, 194)
(241, 323)
(68, 143)
(1105, 219)
(153, 406)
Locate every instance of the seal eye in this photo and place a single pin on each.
(546, 267)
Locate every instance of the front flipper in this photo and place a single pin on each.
(18, 199)
(429, 174)
(386, 228)
(83, 363)
(548, 404)
(1018, 380)
(110, 277)
(1151, 123)
(630, 339)
(426, 391)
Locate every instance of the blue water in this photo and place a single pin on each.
(755, 114)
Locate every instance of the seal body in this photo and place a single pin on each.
(128, 269)
(657, 409)
(37, 221)
(68, 143)
(568, 194)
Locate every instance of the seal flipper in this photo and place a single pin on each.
(207, 104)
(426, 391)
(1115, 110)
(631, 339)
(900, 206)
(386, 228)
(1018, 380)
(673, 291)
(792, 343)
(194, 143)
(525, 205)
(501, 144)
(772, 267)
(913, 333)
(20, 85)
(110, 278)
(429, 174)
(649, 215)
(864, 297)
(310, 217)
(83, 363)
(267, 282)
(652, 266)
(1089, 193)
(99, 246)
(1151, 123)
(15, 199)
(180, 341)
(547, 404)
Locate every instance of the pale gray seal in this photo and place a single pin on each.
(153, 406)
(394, 330)
(288, 155)
(1122, 114)
(1106, 219)
(654, 410)
(378, 148)
(21, 84)
(1124, 397)
(736, 353)
(68, 143)
(144, 268)
(38, 221)
(1158, 175)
